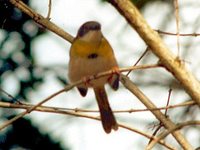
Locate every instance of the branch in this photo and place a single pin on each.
(49, 10)
(167, 58)
(158, 47)
(140, 58)
(175, 34)
(78, 114)
(177, 25)
(68, 87)
(178, 69)
(166, 133)
(168, 124)
(23, 105)
(45, 22)
(7, 123)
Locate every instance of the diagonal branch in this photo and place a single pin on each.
(22, 114)
(168, 124)
(45, 22)
(177, 25)
(166, 133)
(70, 86)
(158, 47)
(167, 58)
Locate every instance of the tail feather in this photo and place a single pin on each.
(107, 117)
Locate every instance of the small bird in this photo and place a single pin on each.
(90, 54)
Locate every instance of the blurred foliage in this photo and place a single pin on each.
(17, 31)
(23, 135)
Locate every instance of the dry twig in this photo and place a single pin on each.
(68, 87)
(77, 114)
(49, 10)
(177, 25)
(158, 47)
(175, 34)
(23, 105)
(166, 133)
(167, 123)
(167, 58)
(143, 54)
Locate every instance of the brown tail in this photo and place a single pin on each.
(107, 117)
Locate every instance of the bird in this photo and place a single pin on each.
(90, 53)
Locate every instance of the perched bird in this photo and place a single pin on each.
(90, 54)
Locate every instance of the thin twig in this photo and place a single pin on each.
(23, 105)
(127, 9)
(177, 25)
(138, 60)
(77, 114)
(160, 123)
(155, 43)
(9, 95)
(167, 123)
(175, 34)
(170, 61)
(8, 122)
(49, 10)
(166, 133)
(68, 87)
(168, 100)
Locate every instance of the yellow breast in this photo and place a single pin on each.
(82, 48)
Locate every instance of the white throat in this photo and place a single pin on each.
(92, 36)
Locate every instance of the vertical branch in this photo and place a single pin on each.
(177, 25)
(160, 123)
(49, 10)
(168, 99)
